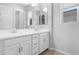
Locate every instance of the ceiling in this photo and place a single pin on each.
(33, 4)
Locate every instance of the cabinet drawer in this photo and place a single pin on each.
(12, 42)
(35, 37)
(16, 40)
(12, 50)
(34, 44)
(37, 41)
(44, 35)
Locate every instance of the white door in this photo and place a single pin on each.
(12, 50)
(44, 42)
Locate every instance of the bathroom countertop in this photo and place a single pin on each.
(8, 34)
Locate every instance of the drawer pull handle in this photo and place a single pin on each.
(20, 49)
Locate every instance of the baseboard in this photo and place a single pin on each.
(60, 51)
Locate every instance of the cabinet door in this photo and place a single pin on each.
(12, 50)
(26, 48)
(44, 42)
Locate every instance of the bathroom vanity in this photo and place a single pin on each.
(21, 30)
(28, 42)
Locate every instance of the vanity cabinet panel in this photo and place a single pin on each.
(12, 50)
(18, 46)
(26, 48)
(11, 42)
(25, 45)
(35, 44)
(44, 41)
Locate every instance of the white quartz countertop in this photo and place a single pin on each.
(8, 34)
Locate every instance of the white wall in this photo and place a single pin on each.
(66, 35)
(68, 5)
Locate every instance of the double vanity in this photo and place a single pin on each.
(24, 42)
(24, 30)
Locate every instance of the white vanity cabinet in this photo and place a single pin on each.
(17, 46)
(40, 42)
(33, 44)
(44, 41)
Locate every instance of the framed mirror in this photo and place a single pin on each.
(29, 16)
(43, 20)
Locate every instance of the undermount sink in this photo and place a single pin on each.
(36, 29)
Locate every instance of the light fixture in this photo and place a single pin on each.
(45, 9)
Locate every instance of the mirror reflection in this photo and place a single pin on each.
(20, 16)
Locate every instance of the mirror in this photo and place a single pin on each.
(37, 15)
(33, 16)
(43, 18)
(19, 19)
(30, 18)
(22, 17)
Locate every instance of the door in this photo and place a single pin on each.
(12, 50)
